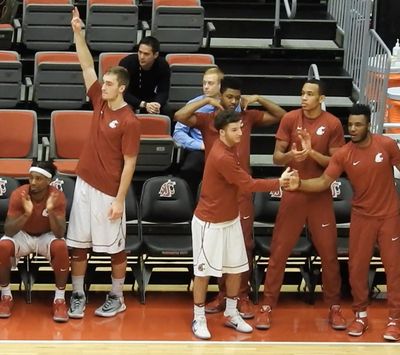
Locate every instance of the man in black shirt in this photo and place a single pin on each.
(149, 78)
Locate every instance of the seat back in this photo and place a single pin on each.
(342, 194)
(156, 144)
(108, 60)
(111, 25)
(18, 134)
(58, 81)
(46, 24)
(66, 184)
(10, 79)
(178, 25)
(187, 72)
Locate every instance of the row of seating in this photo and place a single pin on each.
(69, 130)
(159, 234)
(111, 25)
(58, 81)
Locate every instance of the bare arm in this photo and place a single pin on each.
(317, 184)
(14, 224)
(57, 222)
(273, 112)
(85, 58)
(186, 114)
(117, 206)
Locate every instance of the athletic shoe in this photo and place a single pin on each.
(111, 306)
(336, 319)
(358, 326)
(236, 322)
(263, 318)
(60, 313)
(77, 305)
(245, 308)
(6, 305)
(392, 331)
(199, 328)
(216, 305)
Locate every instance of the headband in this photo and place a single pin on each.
(36, 169)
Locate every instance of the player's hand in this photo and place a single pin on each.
(26, 203)
(305, 138)
(299, 155)
(153, 107)
(291, 180)
(116, 210)
(51, 202)
(246, 100)
(76, 22)
(216, 103)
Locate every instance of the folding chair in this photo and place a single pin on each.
(166, 210)
(178, 25)
(17, 146)
(187, 72)
(10, 79)
(111, 25)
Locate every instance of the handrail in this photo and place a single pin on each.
(290, 12)
(313, 73)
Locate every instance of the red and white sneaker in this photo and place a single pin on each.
(358, 326)
(392, 332)
(6, 305)
(60, 311)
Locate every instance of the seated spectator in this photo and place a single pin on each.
(35, 223)
(149, 77)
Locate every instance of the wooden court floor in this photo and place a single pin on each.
(162, 326)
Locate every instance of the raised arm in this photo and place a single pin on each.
(273, 112)
(186, 114)
(85, 58)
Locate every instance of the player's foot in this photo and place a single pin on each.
(336, 319)
(392, 332)
(6, 305)
(111, 306)
(235, 321)
(60, 313)
(358, 326)
(200, 329)
(245, 308)
(77, 305)
(216, 305)
(263, 318)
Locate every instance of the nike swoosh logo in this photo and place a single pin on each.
(323, 225)
(356, 162)
(394, 239)
(246, 217)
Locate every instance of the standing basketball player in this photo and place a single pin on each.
(105, 171)
(368, 161)
(218, 244)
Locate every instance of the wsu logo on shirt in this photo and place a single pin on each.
(320, 131)
(276, 194)
(3, 187)
(167, 189)
(379, 158)
(113, 124)
(58, 184)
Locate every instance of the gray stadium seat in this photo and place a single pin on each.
(10, 79)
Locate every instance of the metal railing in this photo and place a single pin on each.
(366, 57)
(290, 12)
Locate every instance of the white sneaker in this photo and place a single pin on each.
(236, 322)
(199, 328)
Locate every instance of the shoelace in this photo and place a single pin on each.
(76, 302)
(109, 301)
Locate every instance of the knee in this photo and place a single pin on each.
(78, 254)
(7, 251)
(58, 247)
(118, 258)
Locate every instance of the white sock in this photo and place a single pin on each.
(199, 311)
(77, 283)
(117, 286)
(231, 307)
(59, 294)
(6, 291)
(361, 314)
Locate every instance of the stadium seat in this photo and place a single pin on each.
(166, 209)
(18, 142)
(156, 143)
(6, 35)
(108, 60)
(58, 81)
(7, 186)
(178, 25)
(46, 24)
(266, 206)
(111, 25)
(69, 130)
(187, 76)
(10, 79)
